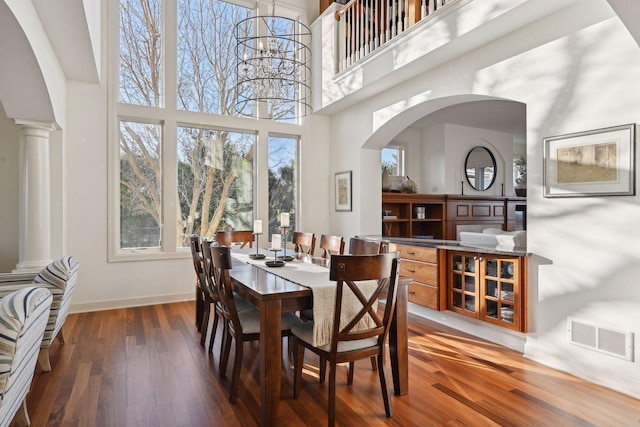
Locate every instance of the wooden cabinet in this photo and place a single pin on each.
(438, 216)
(413, 215)
(463, 210)
(488, 287)
(421, 265)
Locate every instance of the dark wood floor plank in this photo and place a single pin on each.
(145, 366)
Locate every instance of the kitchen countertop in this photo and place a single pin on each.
(454, 245)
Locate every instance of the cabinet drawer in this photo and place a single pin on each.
(420, 272)
(415, 252)
(424, 295)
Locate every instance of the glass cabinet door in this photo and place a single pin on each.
(500, 289)
(464, 279)
(487, 287)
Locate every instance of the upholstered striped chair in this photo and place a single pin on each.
(23, 319)
(60, 278)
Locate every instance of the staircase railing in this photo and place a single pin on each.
(366, 25)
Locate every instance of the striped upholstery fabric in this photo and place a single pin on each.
(59, 278)
(23, 318)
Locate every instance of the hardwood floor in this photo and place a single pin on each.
(145, 367)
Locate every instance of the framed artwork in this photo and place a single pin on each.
(343, 191)
(597, 162)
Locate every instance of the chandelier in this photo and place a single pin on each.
(272, 67)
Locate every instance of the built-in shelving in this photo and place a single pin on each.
(439, 216)
(413, 215)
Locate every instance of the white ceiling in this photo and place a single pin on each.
(500, 116)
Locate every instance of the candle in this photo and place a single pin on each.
(276, 241)
(257, 226)
(284, 219)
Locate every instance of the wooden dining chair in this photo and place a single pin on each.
(352, 341)
(196, 256)
(211, 298)
(241, 326)
(229, 237)
(331, 245)
(304, 242)
(356, 247)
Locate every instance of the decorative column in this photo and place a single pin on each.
(35, 196)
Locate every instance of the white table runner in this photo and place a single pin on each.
(316, 278)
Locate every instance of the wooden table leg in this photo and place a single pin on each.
(399, 343)
(270, 360)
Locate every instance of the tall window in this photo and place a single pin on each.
(140, 179)
(282, 180)
(215, 182)
(206, 56)
(141, 57)
(179, 168)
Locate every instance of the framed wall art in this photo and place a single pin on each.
(597, 162)
(343, 191)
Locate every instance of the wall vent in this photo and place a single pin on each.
(603, 339)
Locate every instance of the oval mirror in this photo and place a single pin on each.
(480, 168)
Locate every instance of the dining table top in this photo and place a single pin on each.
(263, 284)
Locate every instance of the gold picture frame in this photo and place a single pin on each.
(598, 162)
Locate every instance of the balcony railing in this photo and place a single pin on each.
(366, 25)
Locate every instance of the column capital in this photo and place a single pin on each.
(34, 124)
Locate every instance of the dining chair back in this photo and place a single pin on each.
(229, 237)
(331, 245)
(364, 247)
(304, 242)
(210, 295)
(196, 256)
(360, 336)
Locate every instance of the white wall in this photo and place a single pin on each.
(458, 141)
(435, 158)
(575, 70)
(433, 152)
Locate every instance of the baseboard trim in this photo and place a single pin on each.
(613, 380)
(495, 334)
(132, 302)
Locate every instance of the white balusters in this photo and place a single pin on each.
(368, 24)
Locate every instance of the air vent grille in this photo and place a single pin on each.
(601, 338)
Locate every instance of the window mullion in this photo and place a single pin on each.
(170, 203)
(170, 54)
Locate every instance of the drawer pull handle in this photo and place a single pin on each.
(410, 271)
(411, 252)
(412, 292)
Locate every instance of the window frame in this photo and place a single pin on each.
(296, 178)
(401, 157)
(170, 118)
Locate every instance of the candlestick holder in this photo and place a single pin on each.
(257, 255)
(284, 256)
(276, 262)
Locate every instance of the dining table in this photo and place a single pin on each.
(274, 295)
